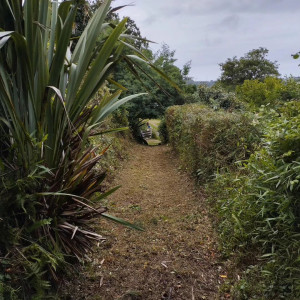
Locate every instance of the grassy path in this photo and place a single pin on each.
(175, 257)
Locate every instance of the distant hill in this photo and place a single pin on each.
(207, 83)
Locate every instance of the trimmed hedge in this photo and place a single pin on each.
(206, 140)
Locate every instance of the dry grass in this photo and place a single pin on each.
(175, 257)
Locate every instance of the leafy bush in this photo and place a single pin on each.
(259, 209)
(190, 98)
(135, 124)
(163, 132)
(270, 91)
(50, 105)
(116, 142)
(207, 140)
(217, 97)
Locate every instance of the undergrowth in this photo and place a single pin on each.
(53, 100)
(254, 167)
(259, 210)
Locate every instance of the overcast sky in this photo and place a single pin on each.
(207, 32)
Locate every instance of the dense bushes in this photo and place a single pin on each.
(50, 108)
(259, 229)
(207, 140)
(163, 131)
(257, 203)
(259, 208)
(270, 91)
(215, 97)
(117, 142)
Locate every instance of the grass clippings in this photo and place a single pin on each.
(174, 258)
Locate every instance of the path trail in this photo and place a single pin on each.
(175, 257)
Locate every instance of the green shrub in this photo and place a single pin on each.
(270, 91)
(217, 97)
(135, 124)
(163, 132)
(50, 105)
(120, 117)
(207, 140)
(259, 209)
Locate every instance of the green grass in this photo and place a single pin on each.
(153, 142)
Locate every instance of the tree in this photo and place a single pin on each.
(161, 93)
(270, 91)
(254, 65)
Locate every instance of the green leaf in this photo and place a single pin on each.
(106, 194)
(122, 222)
(96, 74)
(38, 224)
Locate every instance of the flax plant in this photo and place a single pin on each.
(48, 182)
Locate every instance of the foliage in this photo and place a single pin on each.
(116, 142)
(270, 91)
(217, 97)
(50, 189)
(296, 55)
(259, 209)
(254, 65)
(206, 140)
(163, 131)
(135, 124)
(160, 93)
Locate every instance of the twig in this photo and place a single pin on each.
(101, 281)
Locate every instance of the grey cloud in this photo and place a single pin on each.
(210, 31)
(228, 23)
(174, 11)
(213, 41)
(150, 20)
(202, 7)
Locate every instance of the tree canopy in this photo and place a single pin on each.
(253, 65)
(160, 93)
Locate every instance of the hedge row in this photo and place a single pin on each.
(259, 209)
(206, 140)
(257, 203)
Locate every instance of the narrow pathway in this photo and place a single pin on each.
(175, 257)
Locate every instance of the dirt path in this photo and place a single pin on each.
(175, 257)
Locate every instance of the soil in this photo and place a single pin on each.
(175, 257)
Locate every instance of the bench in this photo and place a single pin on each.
(147, 134)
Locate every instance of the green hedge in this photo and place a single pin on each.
(257, 203)
(207, 140)
(259, 210)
